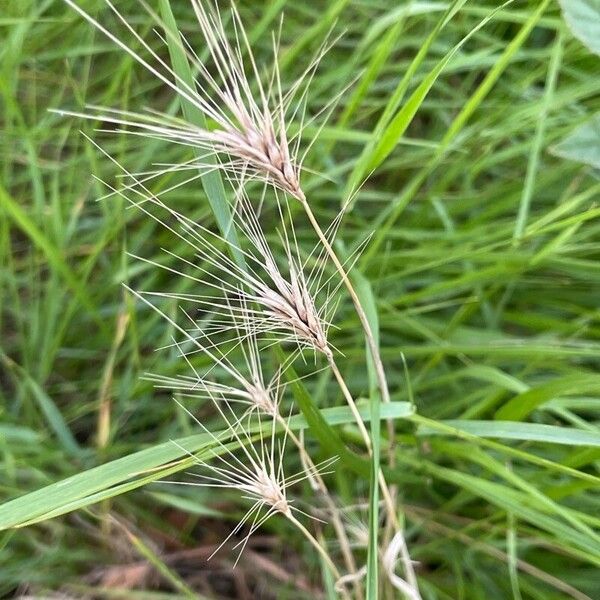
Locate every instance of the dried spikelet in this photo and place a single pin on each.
(252, 393)
(250, 127)
(248, 389)
(259, 299)
(255, 470)
(254, 139)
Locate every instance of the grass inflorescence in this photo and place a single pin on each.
(282, 225)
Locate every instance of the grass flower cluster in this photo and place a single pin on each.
(328, 329)
(255, 298)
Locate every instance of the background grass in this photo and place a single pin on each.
(483, 260)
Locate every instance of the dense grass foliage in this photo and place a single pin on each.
(483, 260)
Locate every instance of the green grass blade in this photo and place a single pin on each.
(494, 74)
(510, 430)
(589, 454)
(211, 180)
(364, 292)
(20, 217)
(316, 31)
(83, 488)
(536, 148)
(517, 502)
(519, 407)
(48, 408)
(377, 62)
(375, 151)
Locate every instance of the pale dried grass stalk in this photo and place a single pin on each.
(397, 550)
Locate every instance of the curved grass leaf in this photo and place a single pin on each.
(568, 467)
(527, 432)
(386, 139)
(361, 167)
(388, 217)
(523, 404)
(129, 472)
(538, 499)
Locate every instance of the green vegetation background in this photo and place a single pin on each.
(483, 260)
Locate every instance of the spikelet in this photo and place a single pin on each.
(247, 389)
(260, 299)
(250, 128)
(253, 469)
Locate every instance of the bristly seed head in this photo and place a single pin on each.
(250, 126)
(293, 308)
(255, 470)
(248, 389)
(261, 398)
(261, 149)
(268, 488)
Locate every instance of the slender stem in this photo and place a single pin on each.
(385, 490)
(379, 371)
(338, 526)
(387, 496)
(350, 401)
(373, 348)
(327, 559)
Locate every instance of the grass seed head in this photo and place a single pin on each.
(249, 119)
(269, 489)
